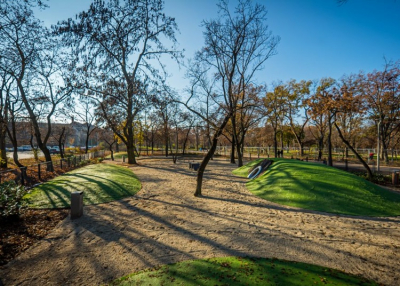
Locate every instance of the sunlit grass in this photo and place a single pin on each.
(322, 188)
(241, 271)
(100, 183)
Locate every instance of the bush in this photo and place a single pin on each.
(11, 202)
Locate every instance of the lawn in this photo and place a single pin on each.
(241, 271)
(322, 188)
(100, 183)
(118, 155)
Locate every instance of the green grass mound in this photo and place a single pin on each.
(241, 271)
(322, 188)
(100, 183)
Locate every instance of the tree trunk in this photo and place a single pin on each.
(301, 149)
(15, 157)
(385, 154)
(208, 156)
(87, 142)
(240, 150)
(36, 128)
(330, 163)
(3, 157)
(13, 138)
(233, 152)
(131, 154)
(240, 155)
(185, 142)
(112, 153)
(369, 173)
(320, 148)
(275, 143)
(197, 138)
(166, 144)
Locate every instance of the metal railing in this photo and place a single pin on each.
(36, 173)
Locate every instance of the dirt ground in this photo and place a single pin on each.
(165, 223)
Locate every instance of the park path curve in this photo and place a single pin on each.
(165, 223)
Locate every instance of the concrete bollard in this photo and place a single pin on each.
(76, 204)
(395, 178)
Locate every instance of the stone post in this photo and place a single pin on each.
(76, 204)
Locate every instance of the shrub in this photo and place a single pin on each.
(11, 202)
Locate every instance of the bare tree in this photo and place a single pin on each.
(110, 139)
(236, 47)
(349, 106)
(5, 86)
(382, 90)
(296, 102)
(120, 44)
(274, 104)
(85, 111)
(37, 66)
(248, 114)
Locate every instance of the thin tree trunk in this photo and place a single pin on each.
(208, 156)
(369, 173)
(3, 157)
(275, 143)
(87, 142)
(330, 163)
(233, 152)
(112, 153)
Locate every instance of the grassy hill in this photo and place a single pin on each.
(322, 188)
(100, 183)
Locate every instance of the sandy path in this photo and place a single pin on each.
(164, 223)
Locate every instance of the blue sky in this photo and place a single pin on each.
(319, 38)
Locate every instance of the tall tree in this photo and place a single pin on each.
(322, 113)
(120, 44)
(85, 112)
(248, 114)
(296, 103)
(349, 106)
(237, 45)
(382, 92)
(274, 104)
(37, 65)
(5, 86)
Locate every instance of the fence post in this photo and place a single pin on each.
(39, 173)
(69, 162)
(346, 165)
(61, 163)
(123, 158)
